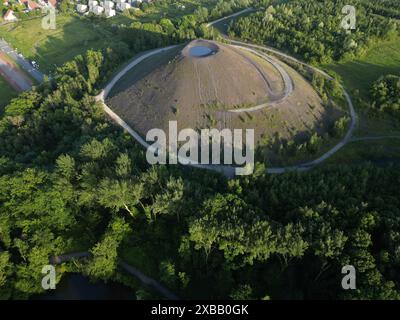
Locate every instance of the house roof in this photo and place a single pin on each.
(33, 5)
(8, 14)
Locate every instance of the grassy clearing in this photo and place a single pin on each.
(76, 34)
(383, 58)
(50, 48)
(6, 94)
(162, 9)
(382, 151)
(358, 75)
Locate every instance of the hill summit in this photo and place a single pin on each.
(209, 84)
(204, 73)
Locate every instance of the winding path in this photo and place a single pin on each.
(230, 16)
(230, 171)
(354, 117)
(129, 269)
(288, 83)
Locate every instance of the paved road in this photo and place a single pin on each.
(230, 16)
(8, 50)
(15, 77)
(129, 269)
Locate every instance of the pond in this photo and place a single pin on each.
(200, 51)
(79, 287)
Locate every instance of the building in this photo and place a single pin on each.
(52, 3)
(30, 5)
(109, 12)
(108, 4)
(122, 5)
(97, 10)
(92, 4)
(81, 8)
(108, 7)
(9, 16)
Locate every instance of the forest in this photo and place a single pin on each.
(73, 181)
(385, 93)
(311, 29)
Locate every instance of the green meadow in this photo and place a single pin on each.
(359, 74)
(72, 36)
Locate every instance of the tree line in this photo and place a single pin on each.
(70, 180)
(312, 29)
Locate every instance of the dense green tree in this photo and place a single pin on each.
(105, 253)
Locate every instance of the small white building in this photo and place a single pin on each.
(81, 8)
(9, 16)
(97, 10)
(108, 4)
(92, 4)
(109, 12)
(123, 6)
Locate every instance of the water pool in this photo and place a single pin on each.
(200, 51)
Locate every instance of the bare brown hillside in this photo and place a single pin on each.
(199, 91)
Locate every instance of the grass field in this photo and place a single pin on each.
(75, 34)
(379, 152)
(6, 94)
(49, 48)
(163, 9)
(383, 58)
(359, 74)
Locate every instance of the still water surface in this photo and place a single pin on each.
(79, 287)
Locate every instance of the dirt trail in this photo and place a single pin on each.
(129, 269)
(229, 171)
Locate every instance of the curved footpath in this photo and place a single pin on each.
(288, 82)
(230, 16)
(226, 170)
(166, 293)
(229, 171)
